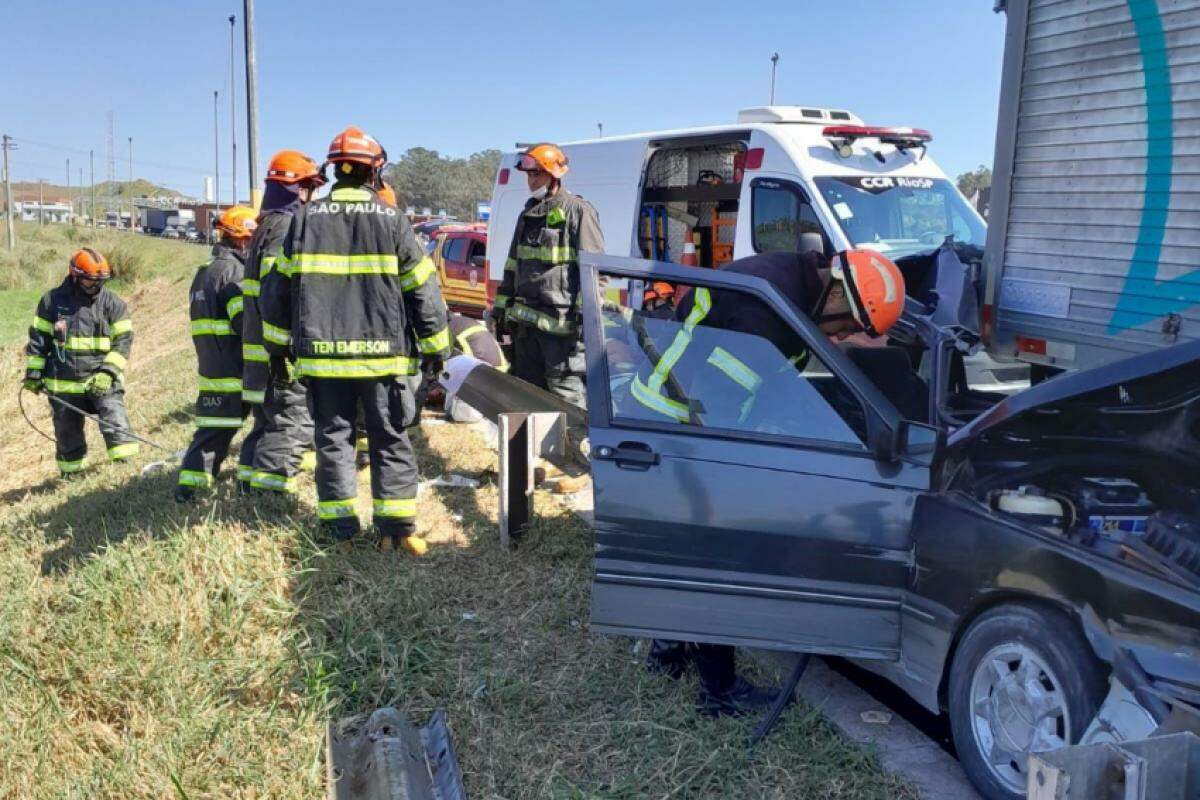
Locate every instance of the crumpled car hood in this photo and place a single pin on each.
(1148, 403)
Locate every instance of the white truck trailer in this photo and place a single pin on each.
(1093, 248)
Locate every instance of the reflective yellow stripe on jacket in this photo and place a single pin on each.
(415, 278)
(89, 344)
(436, 343)
(650, 393)
(357, 367)
(541, 320)
(211, 327)
(337, 264)
(276, 335)
(255, 352)
(225, 385)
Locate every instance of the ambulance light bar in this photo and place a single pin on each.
(901, 137)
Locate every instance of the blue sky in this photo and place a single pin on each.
(480, 75)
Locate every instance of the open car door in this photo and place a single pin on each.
(743, 495)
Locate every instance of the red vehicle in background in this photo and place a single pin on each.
(459, 255)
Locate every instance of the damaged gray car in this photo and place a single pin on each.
(1027, 564)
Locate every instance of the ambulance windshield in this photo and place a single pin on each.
(901, 216)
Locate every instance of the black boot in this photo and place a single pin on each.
(342, 532)
(721, 690)
(185, 494)
(667, 658)
(739, 698)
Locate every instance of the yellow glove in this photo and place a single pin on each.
(98, 384)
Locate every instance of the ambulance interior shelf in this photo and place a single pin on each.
(692, 184)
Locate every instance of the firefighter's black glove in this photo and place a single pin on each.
(431, 367)
(499, 320)
(283, 372)
(34, 384)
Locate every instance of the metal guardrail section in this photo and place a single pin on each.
(389, 759)
(1158, 768)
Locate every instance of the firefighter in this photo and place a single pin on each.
(860, 291)
(355, 304)
(472, 338)
(78, 347)
(215, 305)
(282, 434)
(538, 302)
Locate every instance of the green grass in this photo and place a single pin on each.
(149, 650)
(16, 309)
(42, 252)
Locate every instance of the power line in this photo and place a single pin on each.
(139, 162)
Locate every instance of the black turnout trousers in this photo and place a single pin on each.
(388, 407)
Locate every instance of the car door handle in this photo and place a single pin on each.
(628, 455)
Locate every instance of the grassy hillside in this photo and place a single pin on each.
(40, 258)
(123, 190)
(149, 650)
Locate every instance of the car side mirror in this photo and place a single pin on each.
(812, 243)
(882, 439)
(478, 261)
(921, 442)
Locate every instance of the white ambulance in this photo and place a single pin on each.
(782, 178)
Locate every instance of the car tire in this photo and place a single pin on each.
(1021, 676)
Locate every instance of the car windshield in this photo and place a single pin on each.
(901, 216)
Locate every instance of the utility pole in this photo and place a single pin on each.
(251, 102)
(8, 145)
(132, 207)
(81, 191)
(600, 128)
(233, 106)
(774, 64)
(41, 201)
(92, 178)
(216, 154)
(69, 203)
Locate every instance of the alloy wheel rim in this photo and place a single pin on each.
(1017, 708)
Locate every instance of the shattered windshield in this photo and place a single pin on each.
(901, 216)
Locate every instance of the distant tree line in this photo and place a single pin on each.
(426, 179)
(971, 182)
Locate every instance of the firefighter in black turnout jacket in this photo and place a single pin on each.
(355, 304)
(78, 347)
(215, 305)
(538, 301)
(282, 432)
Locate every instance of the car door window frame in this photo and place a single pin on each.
(875, 405)
(801, 195)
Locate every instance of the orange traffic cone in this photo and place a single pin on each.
(689, 251)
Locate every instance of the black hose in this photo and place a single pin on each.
(21, 403)
(95, 418)
(786, 694)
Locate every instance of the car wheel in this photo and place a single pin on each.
(1023, 680)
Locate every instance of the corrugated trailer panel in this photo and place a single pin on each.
(1094, 239)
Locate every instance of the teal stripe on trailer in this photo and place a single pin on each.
(1131, 308)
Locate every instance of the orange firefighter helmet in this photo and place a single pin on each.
(546, 157)
(238, 222)
(292, 166)
(659, 290)
(388, 195)
(874, 288)
(88, 263)
(355, 146)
